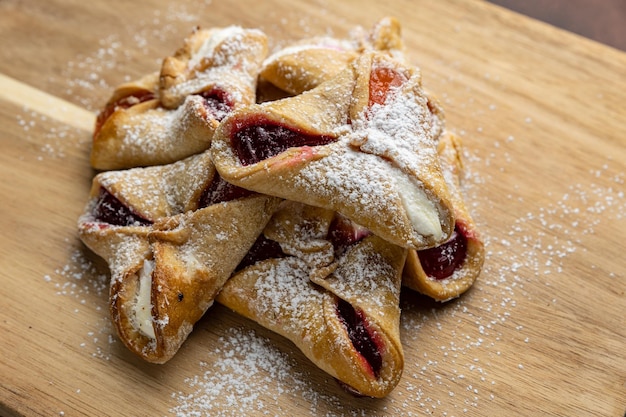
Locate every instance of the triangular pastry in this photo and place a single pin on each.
(361, 144)
(448, 270)
(165, 117)
(345, 321)
(172, 235)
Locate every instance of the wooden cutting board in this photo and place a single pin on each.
(543, 119)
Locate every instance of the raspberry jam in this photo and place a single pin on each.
(122, 103)
(258, 139)
(217, 103)
(441, 261)
(359, 334)
(344, 233)
(220, 191)
(262, 249)
(109, 209)
(381, 81)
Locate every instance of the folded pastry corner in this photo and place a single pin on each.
(362, 144)
(171, 235)
(282, 133)
(220, 64)
(302, 231)
(304, 65)
(135, 130)
(385, 35)
(347, 321)
(307, 63)
(450, 269)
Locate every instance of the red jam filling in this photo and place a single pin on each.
(262, 249)
(217, 102)
(361, 339)
(381, 81)
(258, 139)
(122, 103)
(220, 191)
(441, 261)
(344, 233)
(109, 209)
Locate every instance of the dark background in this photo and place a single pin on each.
(600, 20)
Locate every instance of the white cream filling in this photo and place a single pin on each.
(143, 301)
(422, 213)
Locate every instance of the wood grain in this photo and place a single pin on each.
(541, 114)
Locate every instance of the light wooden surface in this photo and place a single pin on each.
(542, 115)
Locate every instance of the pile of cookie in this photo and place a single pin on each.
(301, 189)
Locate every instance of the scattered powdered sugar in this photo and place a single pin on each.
(535, 250)
(56, 140)
(92, 75)
(462, 367)
(249, 377)
(81, 278)
(83, 281)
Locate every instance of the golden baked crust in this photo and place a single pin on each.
(314, 306)
(193, 255)
(379, 160)
(385, 36)
(465, 274)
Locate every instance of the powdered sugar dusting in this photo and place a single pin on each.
(459, 375)
(55, 140)
(159, 191)
(400, 130)
(154, 133)
(366, 278)
(284, 291)
(249, 377)
(83, 281)
(371, 186)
